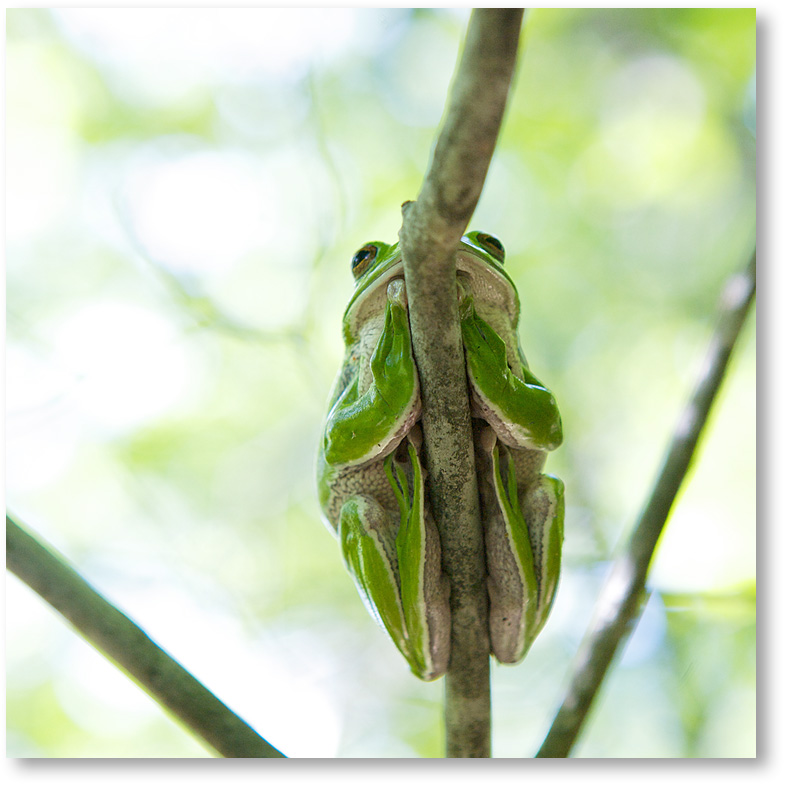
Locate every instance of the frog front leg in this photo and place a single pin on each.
(366, 424)
(393, 553)
(521, 410)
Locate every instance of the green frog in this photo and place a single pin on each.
(372, 484)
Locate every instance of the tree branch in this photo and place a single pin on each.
(622, 599)
(123, 642)
(431, 231)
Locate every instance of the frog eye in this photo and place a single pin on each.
(492, 246)
(363, 258)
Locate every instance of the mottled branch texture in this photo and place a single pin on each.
(123, 642)
(623, 596)
(432, 229)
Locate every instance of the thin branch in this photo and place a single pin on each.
(623, 596)
(119, 639)
(432, 229)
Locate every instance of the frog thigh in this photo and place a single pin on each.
(542, 504)
(367, 541)
(398, 573)
(424, 588)
(523, 533)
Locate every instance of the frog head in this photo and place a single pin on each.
(479, 262)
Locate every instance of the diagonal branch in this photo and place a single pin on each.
(119, 639)
(432, 229)
(623, 595)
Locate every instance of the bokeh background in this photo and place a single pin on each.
(185, 189)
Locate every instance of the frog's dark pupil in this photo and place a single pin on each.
(490, 242)
(360, 257)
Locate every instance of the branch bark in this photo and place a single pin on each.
(119, 639)
(431, 231)
(623, 596)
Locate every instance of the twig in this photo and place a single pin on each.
(432, 229)
(622, 598)
(118, 638)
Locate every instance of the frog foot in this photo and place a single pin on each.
(396, 292)
(465, 298)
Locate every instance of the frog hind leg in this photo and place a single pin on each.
(524, 530)
(543, 511)
(397, 569)
(367, 542)
(424, 588)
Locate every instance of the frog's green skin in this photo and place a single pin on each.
(372, 483)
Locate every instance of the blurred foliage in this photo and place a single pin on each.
(185, 189)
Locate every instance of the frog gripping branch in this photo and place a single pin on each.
(372, 485)
(431, 235)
